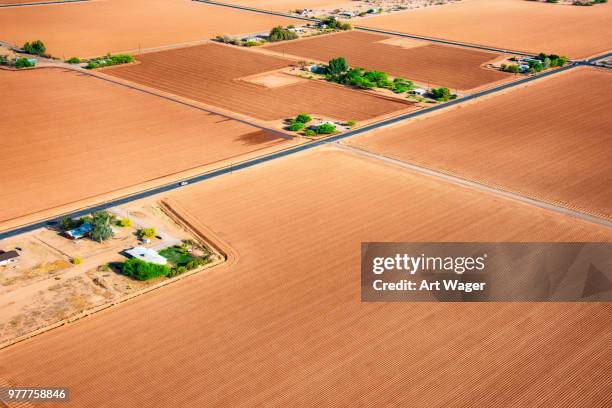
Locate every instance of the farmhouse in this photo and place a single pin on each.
(8, 257)
(79, 232)
(147, 255)
(418, 91)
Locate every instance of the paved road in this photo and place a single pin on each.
(279, 154)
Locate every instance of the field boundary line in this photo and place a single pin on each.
(476, 185)
(42, 3)
(275, 155)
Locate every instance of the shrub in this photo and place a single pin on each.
(73, 60)
(295, 126)
(4, 59)
(351, 123)
(302, 118)
(76, 260)
(124, 222)
(109, 60)
(512, 68)
(325, 129)
(345, 26)
(35, 47)
(146, 233)
(309, 132)
(251, 43)
(141, 270)
(23, 63)
(337, 66)
(279, 33)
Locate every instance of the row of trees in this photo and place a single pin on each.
(338, 71)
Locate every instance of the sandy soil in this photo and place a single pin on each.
(519, 25)
(211, 74)
(551, 140)
(98, 27)
(285, 310)
(87, 136)
(440, 65)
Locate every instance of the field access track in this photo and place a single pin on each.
(284, 311)
(69, 136)
(434, 64)
(217, 75)
(550, 140)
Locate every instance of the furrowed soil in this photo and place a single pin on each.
(218, 75)
(282, 324)
(551, 140)
(433, 64)
(68, 136)
(520, 25)
(94, 28)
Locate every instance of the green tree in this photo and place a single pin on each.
(68, 223)
(35, 47)
(101, 226)
(3, 59)
(303, 118)
(296, 126)
(279, 33)
(325, 129)
(441, 94)
(337, 66)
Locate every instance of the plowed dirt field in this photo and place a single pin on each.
(433, 64)
(519, 25)
(67, 136)
(281, 324)
(95, 28)
(551, 140)
(217, 75)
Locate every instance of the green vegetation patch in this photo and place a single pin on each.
(109, 60)
(141, 270)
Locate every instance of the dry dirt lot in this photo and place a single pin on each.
(68, 136)
(551, 140)
(433, 64)
(97, 27)
(221, 76)
(519, 25)
(281, 324)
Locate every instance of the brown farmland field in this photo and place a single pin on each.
(281, 323)
(551, 140)
(95, 28)
(433, 64)
(213, 73)
(67, 136)
(289, 5)
(520, 25)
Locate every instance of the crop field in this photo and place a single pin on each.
(284, 311)
(434, 64)
(95, 28)
(288, 5)
(219, 75)
(520, 25)
(69, 136)
(551, 140)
